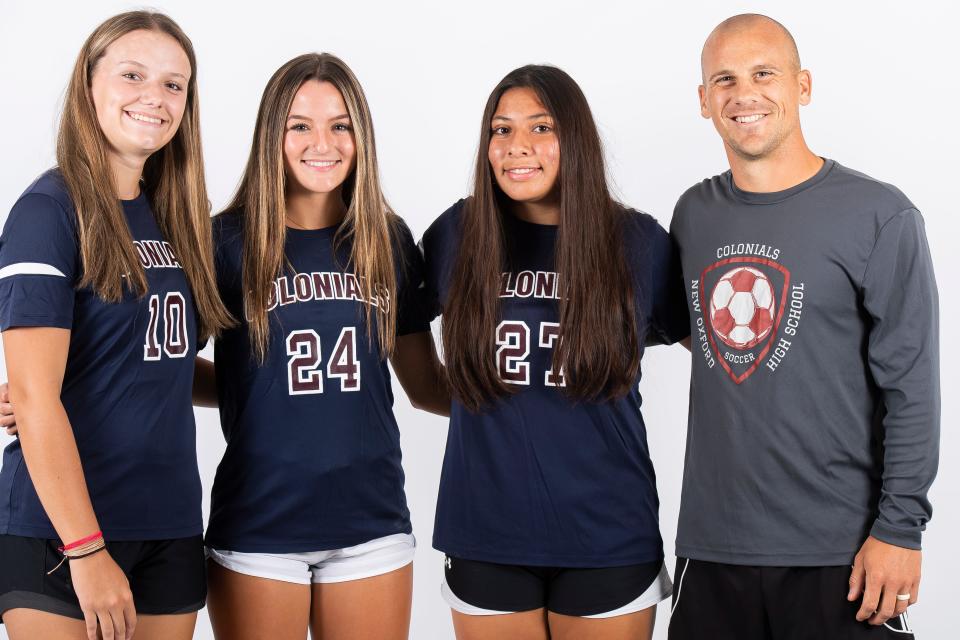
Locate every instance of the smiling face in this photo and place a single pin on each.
(753, 87)
(139, 90)
(524, 150)
(319, 150)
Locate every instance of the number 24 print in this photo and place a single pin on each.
(303, 369)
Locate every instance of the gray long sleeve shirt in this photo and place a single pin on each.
(814, 399)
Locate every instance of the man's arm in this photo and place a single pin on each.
(900, 295)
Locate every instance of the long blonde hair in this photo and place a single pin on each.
(369, 222)
(173, 180)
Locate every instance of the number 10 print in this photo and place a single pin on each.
(176, 343)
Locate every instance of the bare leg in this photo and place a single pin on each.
(29, 624)
(178, 627)
(526, 625)
(376, 608)
(243, 607)
(632, 626)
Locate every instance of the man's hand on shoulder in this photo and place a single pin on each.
(881, 573)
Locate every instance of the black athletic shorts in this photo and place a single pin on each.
(566, 591)
(714, 601)
(166, 576)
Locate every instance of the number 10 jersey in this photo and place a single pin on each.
(129, 373)
(313, 449)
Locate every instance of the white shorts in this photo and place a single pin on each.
(660, 589)
(366, 560)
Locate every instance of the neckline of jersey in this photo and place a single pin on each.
(531, 227)
(322, 232)
(773, 197)
(139, 202)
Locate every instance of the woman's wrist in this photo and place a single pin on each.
(83, 556)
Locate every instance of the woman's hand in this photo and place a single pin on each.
(105, 597)
(7, 420)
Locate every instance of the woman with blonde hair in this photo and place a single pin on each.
(107, 287)
(309, 526)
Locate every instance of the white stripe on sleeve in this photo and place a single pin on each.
(30, 269)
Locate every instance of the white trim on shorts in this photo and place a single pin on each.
(686, 565)
(660, 589)
(373, 558)
(904, 624)
(460, 606)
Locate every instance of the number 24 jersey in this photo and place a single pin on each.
(313, 449)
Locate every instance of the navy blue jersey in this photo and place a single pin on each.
(535, 478)
(313, 449)
(129, 375)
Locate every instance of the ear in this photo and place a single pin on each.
(704, 110)
(806, 86)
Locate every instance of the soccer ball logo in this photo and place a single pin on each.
(742, 307)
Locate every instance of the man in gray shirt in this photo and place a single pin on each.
(814, 405)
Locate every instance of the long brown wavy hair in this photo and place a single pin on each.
(261, 196)
(599, 350)
(173, 180)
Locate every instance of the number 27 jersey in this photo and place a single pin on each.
(313, 449)
(534, 478)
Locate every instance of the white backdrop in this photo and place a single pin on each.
(883, 95)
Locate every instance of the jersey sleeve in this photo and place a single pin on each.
(438, 248)
(899, 293)
(412, 307)
(39, 265)
(669, 316)
(226, 237)
(220, 271)
(431, 285)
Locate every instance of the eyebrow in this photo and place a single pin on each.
(143, 66)
(535, 116)
(293, 116)
(753, 69)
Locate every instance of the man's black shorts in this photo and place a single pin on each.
(714, 601)
(166, 576)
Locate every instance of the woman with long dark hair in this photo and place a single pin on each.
(106, 289)
(549, 290)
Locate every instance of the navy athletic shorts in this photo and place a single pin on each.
(166, 576)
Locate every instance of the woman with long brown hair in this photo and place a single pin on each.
(309, 526)
(549, 290)
(107, 287)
